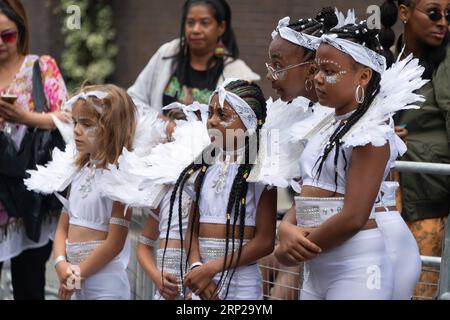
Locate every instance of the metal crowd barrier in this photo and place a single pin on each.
(431, 264)
(274, 288)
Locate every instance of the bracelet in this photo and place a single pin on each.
(59, 259)
(146, 241)
(120, 222)
(195, 265)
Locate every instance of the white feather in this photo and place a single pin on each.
(57, 175)
(398, 85)
(124, 187)
(279, 152)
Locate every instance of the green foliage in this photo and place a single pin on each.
(89, 51)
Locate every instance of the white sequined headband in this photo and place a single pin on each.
(299, 38)
(189, 110)
(243, 110)
(85, 95)
(359, 53)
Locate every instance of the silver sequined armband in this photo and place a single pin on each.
(120, 222)
(146, 241)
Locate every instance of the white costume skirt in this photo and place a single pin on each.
(246, 283)
(403, 251)
(172, 266)
(109, 283)
(359, 269)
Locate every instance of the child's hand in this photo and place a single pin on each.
(167, 286)
(64, 293)
(63, 271)
(198, 279)
(294, 247)
(208, 293)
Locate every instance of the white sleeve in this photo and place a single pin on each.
(141, 90)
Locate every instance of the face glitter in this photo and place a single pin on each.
(330, 76)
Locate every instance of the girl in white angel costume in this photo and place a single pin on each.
(141, 176)
(91, 246)
(343, 167)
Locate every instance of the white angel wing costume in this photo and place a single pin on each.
(283, 139)
(397, 92)
(142, 181)
(57, 175)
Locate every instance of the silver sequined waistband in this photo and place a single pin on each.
(213, 248)
(311, 212)
(77, 252)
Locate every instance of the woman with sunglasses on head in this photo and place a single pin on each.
(28, 257)
(425, 204)
(189, 69)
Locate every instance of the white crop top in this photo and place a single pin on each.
(164, 209)
(86, 207)
(309, 160)
(213, 203)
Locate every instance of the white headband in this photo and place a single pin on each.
(361, 54)
(299, 38)
(243, 110)
(84, 95)
(189, 110)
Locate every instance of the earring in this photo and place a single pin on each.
(219, 51)
(360, 97)
(308, 85)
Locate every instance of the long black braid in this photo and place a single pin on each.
(253, 95)
(363, 35)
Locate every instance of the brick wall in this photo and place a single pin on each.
(143, 25)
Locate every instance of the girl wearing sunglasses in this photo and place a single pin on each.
(425, 202)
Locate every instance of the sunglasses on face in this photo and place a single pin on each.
(9, 36)
(436, 14)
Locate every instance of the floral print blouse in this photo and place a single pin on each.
(21, 86)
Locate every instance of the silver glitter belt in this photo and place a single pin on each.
(311, 212)
(213, 248)
(171, 260)
(77, 252)
(172, 264)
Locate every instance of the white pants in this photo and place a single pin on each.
(403, 251)
(246, 283)
(109, 283)
(357, 269)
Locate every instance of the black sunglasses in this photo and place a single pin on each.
(436, 15)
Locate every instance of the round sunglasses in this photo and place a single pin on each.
(436, 14)
(9, 36)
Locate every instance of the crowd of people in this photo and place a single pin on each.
(196, 145)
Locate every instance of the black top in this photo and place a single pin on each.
(196, 87)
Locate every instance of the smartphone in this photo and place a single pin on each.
(9, 98)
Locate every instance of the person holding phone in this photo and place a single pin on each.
(28, 257)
